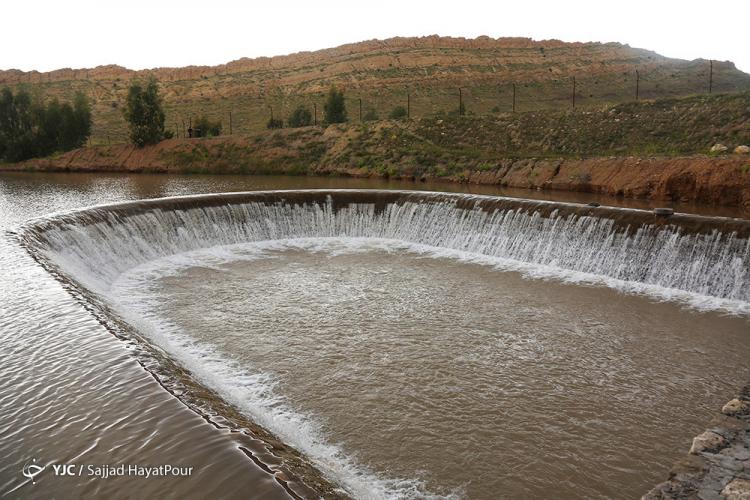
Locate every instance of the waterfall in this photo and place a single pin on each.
(707, 257)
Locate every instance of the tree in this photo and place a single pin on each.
(144, 113)
(300, 117)
(335, 108)
(398, 113)
(81, 121)
(30, 128)
(16, 126)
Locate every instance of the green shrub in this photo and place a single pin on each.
(274, 123)
(398, 113)
(334, 109)
(300, 117)
(203, 127)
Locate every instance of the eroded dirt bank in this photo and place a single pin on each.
(717, 180)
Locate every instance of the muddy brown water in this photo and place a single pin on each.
(428, 373)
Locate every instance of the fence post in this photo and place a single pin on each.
(574, 92)
(514, 97)
(230, 122)
(360, 110)
(637, 83)
(408, 104)
(460, 103)
(710, 75)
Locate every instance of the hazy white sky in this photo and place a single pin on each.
(139, 34)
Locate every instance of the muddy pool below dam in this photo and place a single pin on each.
(406, 344)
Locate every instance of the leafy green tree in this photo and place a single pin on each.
(16, 125)
(398, 113)
(30, 128)
(48, 125)
(144, 113)
(80, 121)
(335, 109)
(300, 117)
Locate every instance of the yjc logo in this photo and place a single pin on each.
(32, 470)
(64, 470)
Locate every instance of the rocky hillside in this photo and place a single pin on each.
(380, 73)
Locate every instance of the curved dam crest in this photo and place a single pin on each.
(700, 261)
(708, 257)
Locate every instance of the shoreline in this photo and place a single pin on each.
(718, 463)
(701, 179)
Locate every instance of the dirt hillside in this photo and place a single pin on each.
(382, 72)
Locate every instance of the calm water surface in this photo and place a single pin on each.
(516, 361)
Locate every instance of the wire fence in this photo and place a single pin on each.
(250, 113)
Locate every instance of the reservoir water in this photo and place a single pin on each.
(400, 363)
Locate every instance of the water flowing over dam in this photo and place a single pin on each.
(685, 253)
(303, 308)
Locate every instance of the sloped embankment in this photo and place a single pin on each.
(652, 150)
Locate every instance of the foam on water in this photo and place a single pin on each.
(118, 257)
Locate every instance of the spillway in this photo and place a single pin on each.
(705, 256)
(106, 253)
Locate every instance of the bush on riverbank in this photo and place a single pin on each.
(204, 127)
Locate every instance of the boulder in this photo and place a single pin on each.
(742, 150)
(708, 442)
(718, 148)
(738, 489)
(735, 407)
